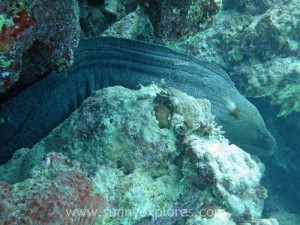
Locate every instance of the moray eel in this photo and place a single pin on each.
(102, 62)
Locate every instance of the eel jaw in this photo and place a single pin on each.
(264, 146)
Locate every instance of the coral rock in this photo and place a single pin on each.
(52, 196)
(34, 40)
(151, 173)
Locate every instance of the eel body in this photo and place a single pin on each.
(103, 62)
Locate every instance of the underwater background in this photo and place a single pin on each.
(146, 154)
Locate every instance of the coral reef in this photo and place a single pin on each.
(248, 6)
(255, 41)
(96, 16)
(259, 47)
(136, 26)
(156, 156)
(173, 20)
(50, 196)
(278, 79)
(34, 40)
(114, 9)
(92, 20)
(245, 34)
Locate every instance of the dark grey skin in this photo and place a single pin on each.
(103, 62)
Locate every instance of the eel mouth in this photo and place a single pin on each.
(254, 150)
(263, 146)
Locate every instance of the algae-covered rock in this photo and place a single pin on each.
(156, 156)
